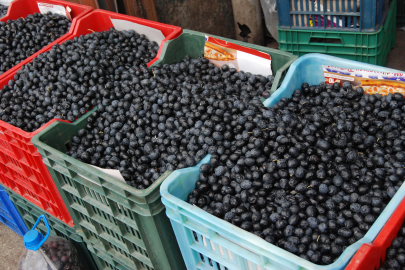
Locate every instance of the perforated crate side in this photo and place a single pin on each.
(104, 261)
(9, 214)
(130, 238)
(372, 48)
(340, 15)
(30, 213)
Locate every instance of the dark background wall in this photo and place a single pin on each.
(208, 16)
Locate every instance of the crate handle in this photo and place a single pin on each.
(33, 240)
(329, 40)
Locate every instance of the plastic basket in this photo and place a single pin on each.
(9, 215)
(347, 15)
(192, 43)
(21, 166)
(99, 20)
(80, 184)
(372, 48)
(128, 224)
(400, 13)
(23, 8)
(372, 255)
(30, 213)
(23, 171)
(208, 242)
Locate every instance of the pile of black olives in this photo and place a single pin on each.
(167, 118)
(75, 76)
(55, 254)
(312, 173)
(21, 38)
(395, 255)
(62, 254)
(3, 10)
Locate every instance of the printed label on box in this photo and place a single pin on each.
(372, 82)
(220, 52)
(55, 9)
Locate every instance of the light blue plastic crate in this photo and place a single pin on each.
(9, 214)
(308, 68)
(208, 242)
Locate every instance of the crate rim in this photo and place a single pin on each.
(87, 9)
(274, 98)
(397, 218)
(177, 31)
(277, 75)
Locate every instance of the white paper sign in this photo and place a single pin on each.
(254, 64)
(151, 33)
(55, 9)
(114, 173)
(6, 2)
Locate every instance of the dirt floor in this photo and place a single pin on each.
(11, 244)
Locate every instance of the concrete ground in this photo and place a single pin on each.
(11, 247)
(11, 244)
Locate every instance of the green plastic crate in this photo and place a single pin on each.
(401, 13)
(372, 48)
(104, 261)
(30, 213)
(192, 43)
(128, 224)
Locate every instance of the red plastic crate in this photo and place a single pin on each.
(23, 8)
(21, 166)
(23, 171)
(99, 20)
(372, 256)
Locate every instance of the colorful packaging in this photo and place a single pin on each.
(220, 52)
(371, 81)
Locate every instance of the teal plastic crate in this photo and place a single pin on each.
(208, 242)
(372, 48)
